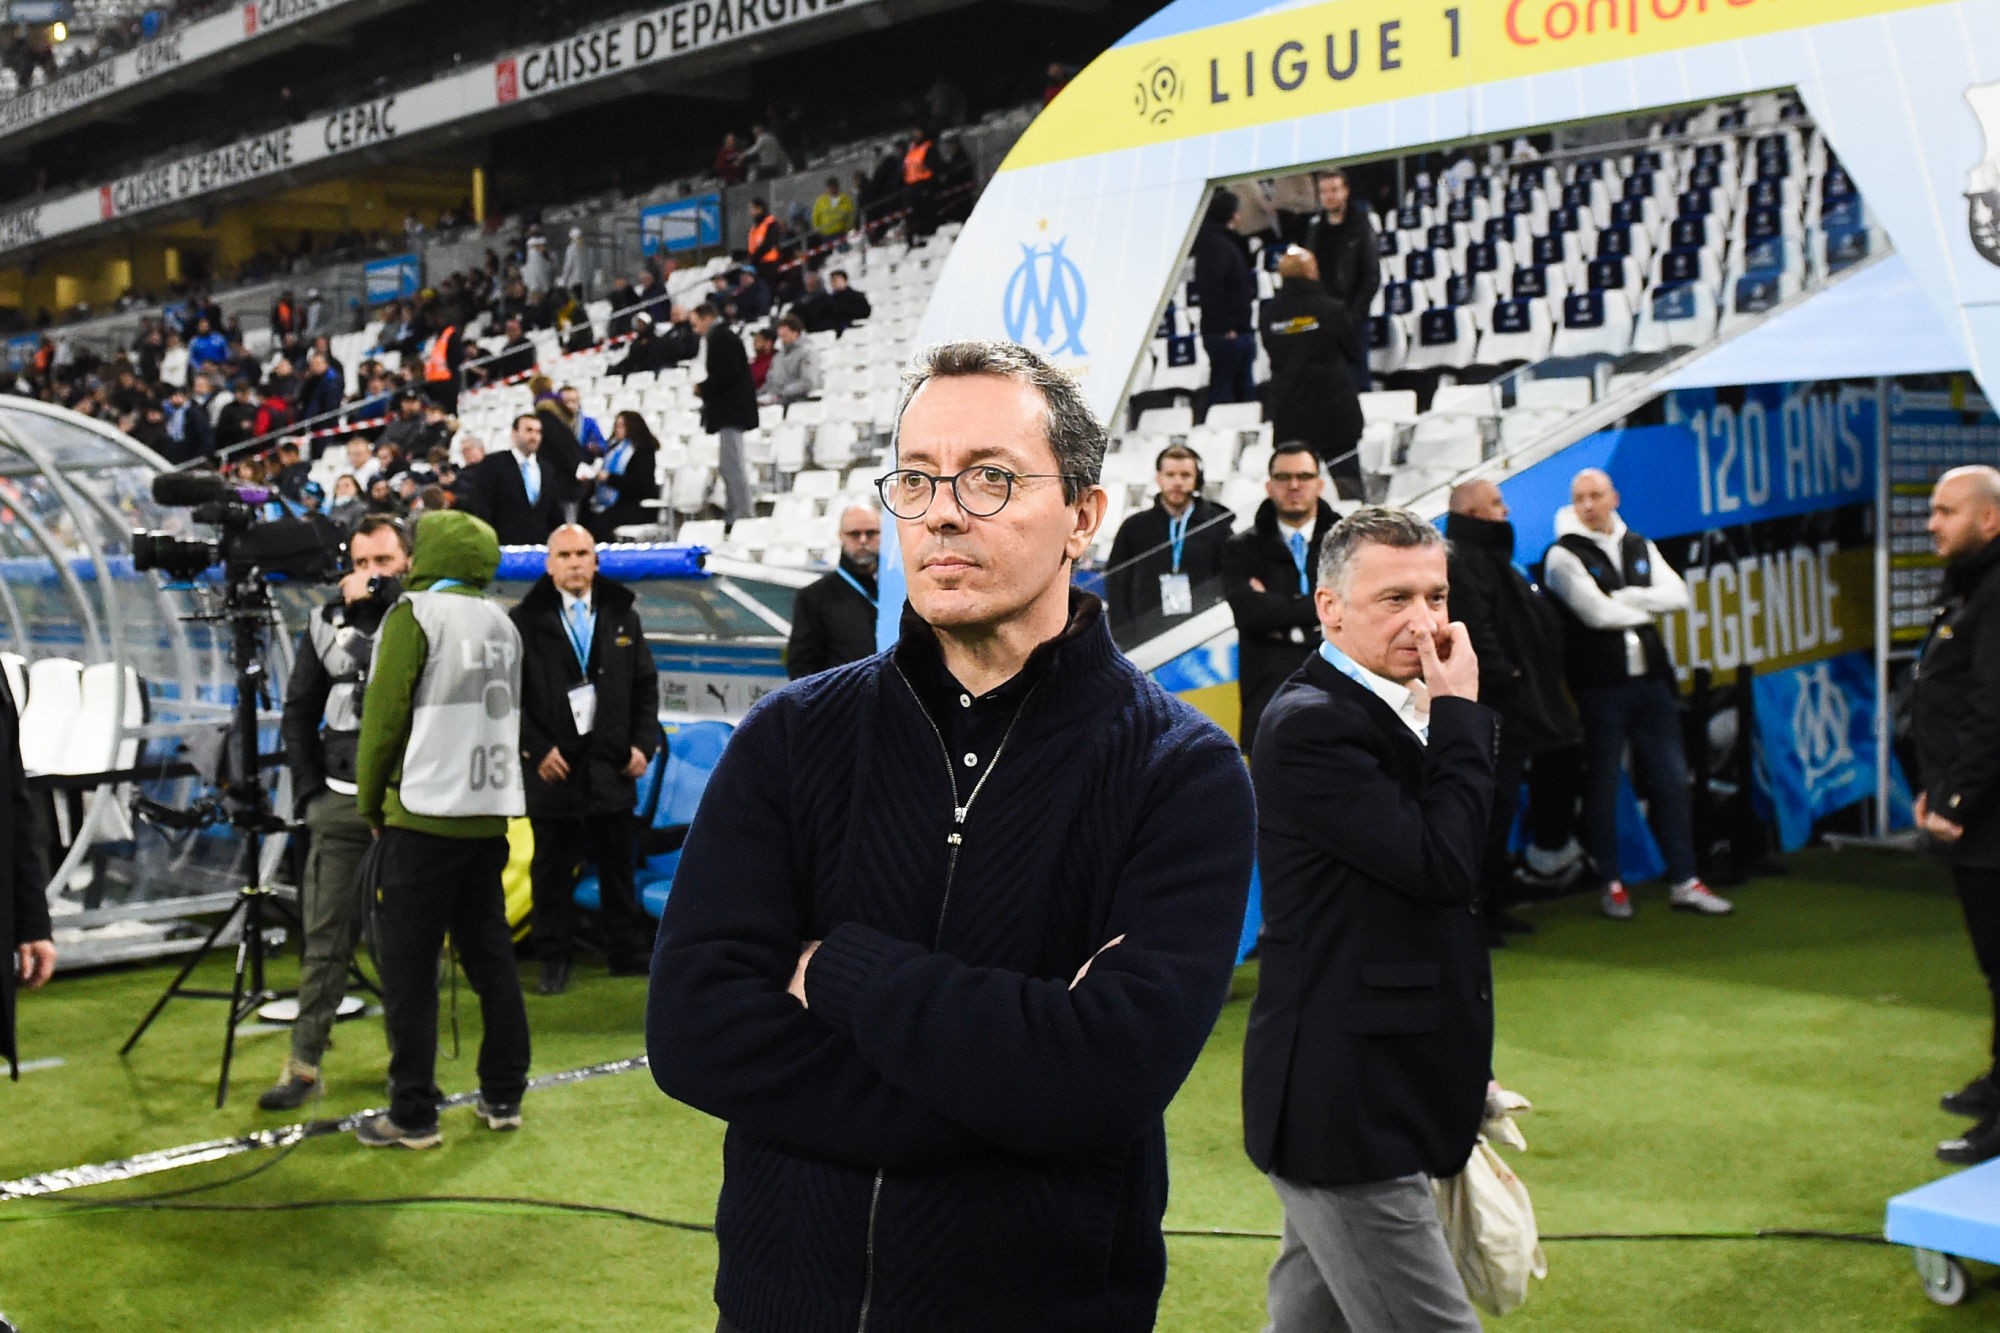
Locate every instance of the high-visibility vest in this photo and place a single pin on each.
(762, 248)
(437, 365)
(917, 163)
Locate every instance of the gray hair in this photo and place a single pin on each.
(1370, 525)
(1075, 434)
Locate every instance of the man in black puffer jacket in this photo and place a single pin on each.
(1313, 340)
(590, 703)
(953, 921)
(1518, 635)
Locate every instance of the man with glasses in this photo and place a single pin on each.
(952, 924)
(833, 620)
(1265, 577)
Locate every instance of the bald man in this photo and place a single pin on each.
(833, 620)
(590, 703)
(1956, 726)
(1516, 634)
(1314, 342)
(1609, 583)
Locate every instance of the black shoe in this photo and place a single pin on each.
(1981, 1143)
(555, 976)
(1977, 1099)
(1506, 923)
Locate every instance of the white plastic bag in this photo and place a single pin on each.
(1489, 1223)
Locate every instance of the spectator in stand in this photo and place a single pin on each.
(562, 456)
(956, 177)
(765, 156)
(323, 391)
(389, 460)
(511, 490)
(209, 347)
(728, 403)
(729, 164)
(920, 183)
(406, 431)
(316, 320)
(1163, 554)
(346, 507)
(290, 471)
(751, 300)
(1228, 296)
(1268, 574)
(361, 464)
(537, 274)
(649, 350)
(381, 498)
(833, 214)
(765, 245)
(286, 319)
(1313, 341)
(850, 307)
(622, 301)
(173, 361)
(575, 264)
(763, 351)
(277, 411)
(1058, 79)
(866, 203)
(236, 420)
(794, 373)
(833, 620)
(625, 479)
(471, 451)
(515, 357)
(188, 432)
(1342, 239)
(589, 435)
(812, 305)
(650, 290)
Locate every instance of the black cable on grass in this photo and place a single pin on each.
(165, 1203)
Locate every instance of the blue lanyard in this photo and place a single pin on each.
(855, 584)
(1177, 534)
(580, 642)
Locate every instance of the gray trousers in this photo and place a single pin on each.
(1367, 1258)
(737, 499)
(333, 909)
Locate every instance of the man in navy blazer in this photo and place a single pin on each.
(515, 491)
(1371, 1038)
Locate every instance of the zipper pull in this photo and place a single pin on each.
(952, 839)
(958, 814)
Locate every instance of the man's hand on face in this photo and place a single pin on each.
(798, 986)
(553, 768)
(1450, 668)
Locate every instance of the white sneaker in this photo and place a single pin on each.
(1617, 903)
(1695, 896)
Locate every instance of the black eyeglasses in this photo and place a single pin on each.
(981, 490)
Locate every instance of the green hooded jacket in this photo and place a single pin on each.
(449, 545)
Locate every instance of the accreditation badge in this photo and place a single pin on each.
(1176, 595)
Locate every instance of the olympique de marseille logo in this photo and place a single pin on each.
(1045, 295)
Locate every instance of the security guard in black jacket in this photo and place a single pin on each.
(590, 703)
(1518, 635)
(321, 727)
(1313, 341)
(1267, 575)
(1955, 722)
(1342, 238)
(833, 620)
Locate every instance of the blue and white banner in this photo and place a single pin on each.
(21, 350)
(1816, 744)
(689, 224)
(395, 279)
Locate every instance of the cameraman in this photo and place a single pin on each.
(322, 725)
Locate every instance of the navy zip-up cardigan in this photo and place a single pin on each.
(952, 1137)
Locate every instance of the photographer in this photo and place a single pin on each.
(322, 725)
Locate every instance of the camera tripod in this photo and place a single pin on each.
(258, 906)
